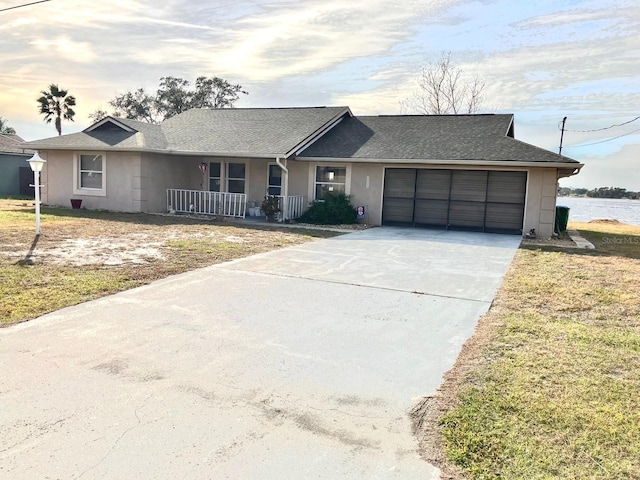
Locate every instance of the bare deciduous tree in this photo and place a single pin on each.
(443, 88)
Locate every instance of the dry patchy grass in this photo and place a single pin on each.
(548, 386)
(82, 255)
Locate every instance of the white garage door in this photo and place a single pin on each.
(483, 200)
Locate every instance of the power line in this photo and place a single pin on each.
(23, 5)
(599, 129)
(604, 141)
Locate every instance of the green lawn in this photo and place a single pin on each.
(549, 388)
(42, 275)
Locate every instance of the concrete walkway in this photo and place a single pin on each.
(580, 241)
(298, 363)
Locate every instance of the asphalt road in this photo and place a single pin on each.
(298, 363)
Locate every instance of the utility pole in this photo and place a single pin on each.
(562, 135)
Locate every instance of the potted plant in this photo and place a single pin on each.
(271, 207)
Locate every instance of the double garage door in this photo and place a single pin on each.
(483, 200)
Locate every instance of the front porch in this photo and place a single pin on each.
(227, 204)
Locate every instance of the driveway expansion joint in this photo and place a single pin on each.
(354, 284)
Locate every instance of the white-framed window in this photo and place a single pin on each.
(90, 173)
(329, 179)
(215, 170)
(236, 177)
(274, 179)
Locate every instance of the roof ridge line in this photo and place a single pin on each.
(450, 115)
(268, 108)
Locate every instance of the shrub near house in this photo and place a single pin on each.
(332, 210)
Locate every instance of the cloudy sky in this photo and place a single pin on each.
(541, 60)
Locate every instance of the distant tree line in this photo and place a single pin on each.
(601, 192)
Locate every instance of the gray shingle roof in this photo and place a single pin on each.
(281, 131)
(254, 131)
(428, 137)
(9, 143)
(104, 139)
(237, 131)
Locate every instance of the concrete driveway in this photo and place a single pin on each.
(299, 363)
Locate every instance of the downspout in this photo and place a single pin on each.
(285, 189)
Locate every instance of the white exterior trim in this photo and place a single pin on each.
(312, 178)
(181, 153)
(93, 192)
(246, 164)
(110, 120)
(274, 164)
(501, 164)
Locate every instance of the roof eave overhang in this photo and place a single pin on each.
(471, 162)
(106, 148)
(23, 153)
(569, 172)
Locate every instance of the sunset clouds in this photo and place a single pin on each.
(541, 62)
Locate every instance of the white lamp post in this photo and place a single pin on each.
(36, 163)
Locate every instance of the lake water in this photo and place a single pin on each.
(584, 209)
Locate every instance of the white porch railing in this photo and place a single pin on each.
(207, 203)
(294, 206)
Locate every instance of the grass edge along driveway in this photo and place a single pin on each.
(73, 260)
(548, 386)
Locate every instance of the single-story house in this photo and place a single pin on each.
(449, 171)
(15, 174)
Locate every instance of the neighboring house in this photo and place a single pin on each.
(449, 171)
(15, 173)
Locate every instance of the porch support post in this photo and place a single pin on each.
(285, 189)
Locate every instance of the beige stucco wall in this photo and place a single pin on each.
(299, 179)
(134, 182)
(138, 183)
(540, 207)
(366, 190)
(364, 183)
(58, 181)
(48, 175)
(256, 179)
(160, 172)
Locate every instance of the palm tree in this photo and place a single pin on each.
(5, 128)
(54, 103)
